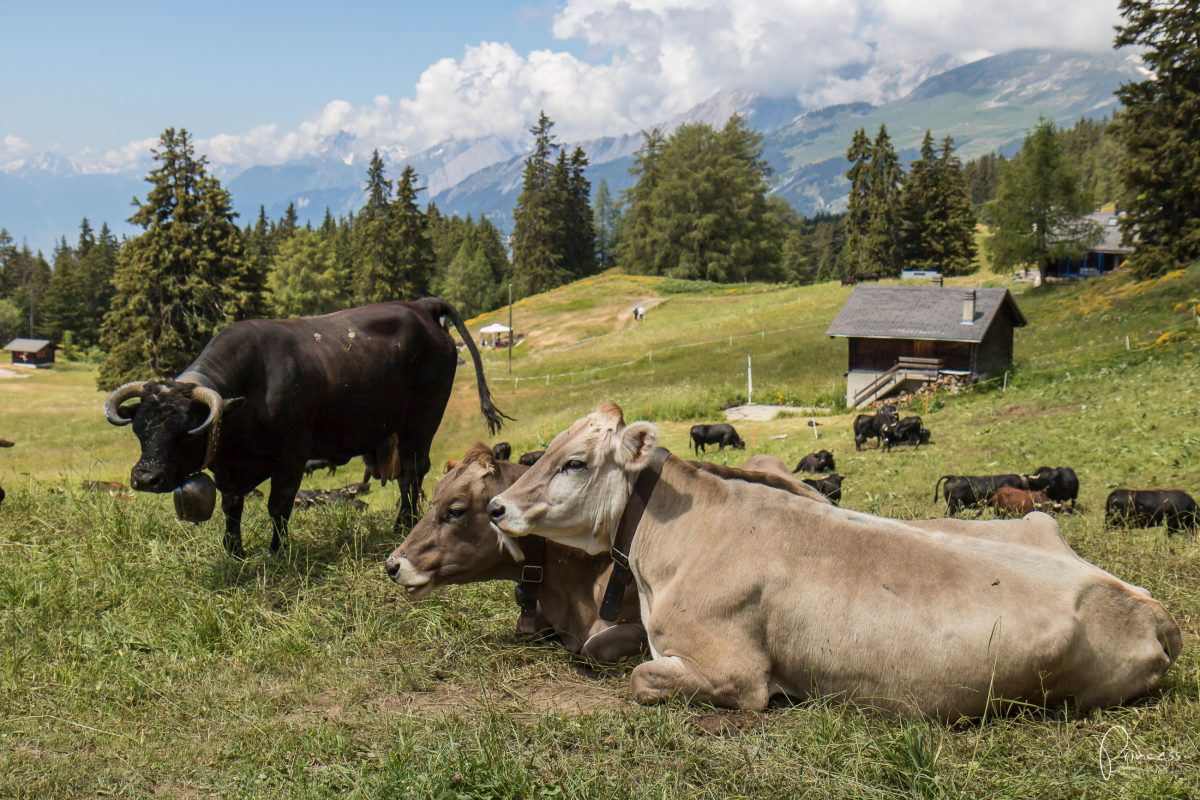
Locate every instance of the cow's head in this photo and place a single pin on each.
(825, 461)
(455, 541)
(173, 422)
(576, 492)
(1041, 477)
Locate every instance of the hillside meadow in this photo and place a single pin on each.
(138, 660)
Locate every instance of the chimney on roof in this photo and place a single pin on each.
(968, 314)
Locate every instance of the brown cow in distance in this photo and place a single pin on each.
(1012, 502)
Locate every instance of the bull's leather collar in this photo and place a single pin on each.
(532, 571)
(639, 498)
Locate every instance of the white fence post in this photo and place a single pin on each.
(749, 381)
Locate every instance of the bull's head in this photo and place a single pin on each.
(576, 492)
(455, 541)
(173, 422)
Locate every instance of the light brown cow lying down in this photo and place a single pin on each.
(454, 542)
(748, 592)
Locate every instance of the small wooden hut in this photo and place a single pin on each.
(1107, 254)
(901, 336)
(31, 352)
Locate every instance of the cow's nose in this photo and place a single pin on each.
(495, 510)
(393, 565)
(144, 479)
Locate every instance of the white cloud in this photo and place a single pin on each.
(648, 60)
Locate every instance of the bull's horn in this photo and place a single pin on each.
(212, 399)
(118, 396)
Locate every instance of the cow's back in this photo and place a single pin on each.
(346, 379)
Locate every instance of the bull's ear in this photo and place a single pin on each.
(232, 404)
(634, 444)
(127, 411)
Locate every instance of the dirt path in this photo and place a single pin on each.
(646, 304)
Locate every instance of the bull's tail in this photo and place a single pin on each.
(938, 486)
(494, 416)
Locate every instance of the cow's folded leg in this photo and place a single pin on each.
(734, 685)
(231, 505)
(612, 644)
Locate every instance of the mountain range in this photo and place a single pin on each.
(986, 105)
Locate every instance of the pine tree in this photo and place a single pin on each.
(415, 258)
(1159, 128)
(376, 258)
(580, 244)
(937, 220)
(699, 208)
(1037, 216)
(956, 238)
(881, 244)
(537, 261)
(637, 247)
(604, 223)
(918, 207)
(96, 267)
(305, 277)
(183, 278)
(858, 210)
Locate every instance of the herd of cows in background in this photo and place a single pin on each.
(279, 399)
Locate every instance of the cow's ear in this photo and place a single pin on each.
(634, 444)
(127, 411)
(232, 404)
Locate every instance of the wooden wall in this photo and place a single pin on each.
(881, 354)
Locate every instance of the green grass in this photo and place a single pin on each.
(137, 660)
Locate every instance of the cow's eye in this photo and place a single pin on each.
(453, 513)
(574, 465)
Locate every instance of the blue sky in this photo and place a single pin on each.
(266, 83)
(99, 74)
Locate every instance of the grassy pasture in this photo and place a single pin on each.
(136, 660)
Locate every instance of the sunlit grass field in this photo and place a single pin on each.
(137, 660)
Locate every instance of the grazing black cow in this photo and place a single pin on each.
(314, 464)
(820, 461)
(969, 491)
(1146, 508)
(1060, 484)
(266, 395)
(722, 434)
(502, 451)
(830, 486)
(870, 426)
(530, 458)
(904, 431)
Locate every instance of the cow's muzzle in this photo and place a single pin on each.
(148, 479)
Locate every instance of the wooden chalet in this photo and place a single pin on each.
(1104, 256)
(31, 352)
(901, 336)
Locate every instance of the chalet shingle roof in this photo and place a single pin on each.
(920, 312)
(26, 345)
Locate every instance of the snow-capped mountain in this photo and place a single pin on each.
(986, 105)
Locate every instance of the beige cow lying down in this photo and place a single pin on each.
(748, 592)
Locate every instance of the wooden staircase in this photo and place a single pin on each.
(906, 369)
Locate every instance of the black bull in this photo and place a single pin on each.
(265, 396)
(966, 491)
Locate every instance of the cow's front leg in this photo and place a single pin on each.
(280, 504)
(731, 686)
(231, 505)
